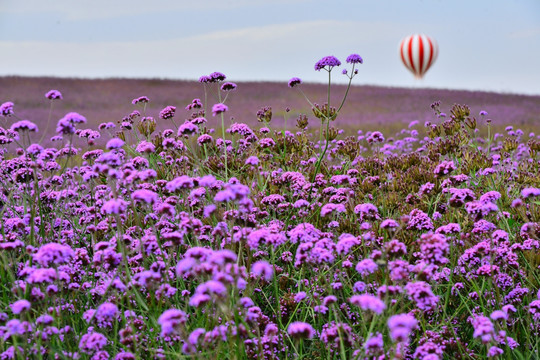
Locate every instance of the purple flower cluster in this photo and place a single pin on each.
(327, 61)
(54, 95)
(167, 112)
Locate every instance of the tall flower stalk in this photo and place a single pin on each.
(326, 112)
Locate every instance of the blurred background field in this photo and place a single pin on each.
(386, 109)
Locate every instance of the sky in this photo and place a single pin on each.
(491, 45)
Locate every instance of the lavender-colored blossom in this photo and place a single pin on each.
(171, 322)
(366, 211)
(401, 327)
(355, 59)
(368, 302)
(267, 143)
(252, 160)
(92, 342)
(300, 330)
(444, 168)
(20, 306)
(499, 315)
(53, 253)
(187, 128)
(146, 147)
(6, 109)
(54, 95)
(263, 269)
(332, 208)
(24, 125)
(295, 81)
(219, 108)
(419, 220)
(146, 196)
(74, 118)
(167, 112)
(375, 137)
(115, 143)
(205, 139)
(217, 76)
(420, 292)
(125, 355)
(374, 344)
(389, 224)
(366, 267)
(483, 328)
(140, 100)
(330, 61)
(530, 192)
(195, 104)
(228, 86)
(106, 314)
(205, 79)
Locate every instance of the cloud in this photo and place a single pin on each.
(271, 52)
(525, 33)
(85, 10)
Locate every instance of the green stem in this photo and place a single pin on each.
(347, 91)
(224, 144)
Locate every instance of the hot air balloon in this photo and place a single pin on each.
(418, 52)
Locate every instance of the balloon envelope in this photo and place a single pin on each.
(418, 52)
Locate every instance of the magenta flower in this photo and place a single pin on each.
(483, 328)
(20, 306)
(24, 125)
(6, 109)
(167, 112)
(530, 192)
(75, 118)
(374, 344)
(146, 196)
(294, 82)
(195, 104)
(219, 108)
(331, 208)
(92, 342)
(114, 143)
(205, 79)
(355, 59)
(140, 100)
(420, 292)
(228, 86)
(187, 128)
(145, 147)
(444, 168)
(53, 253)
(106, 314)
(368, 302)
(171, 322)
(252, 160)
(401, 327)
(217, 77)
(327, 61)
(54, 95)
(263, 269)
(114, 206)
(300, 330)
(366, 267)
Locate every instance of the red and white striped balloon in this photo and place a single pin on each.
(418, 52)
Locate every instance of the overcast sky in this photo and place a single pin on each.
(489, 45)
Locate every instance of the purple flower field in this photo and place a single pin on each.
(145, 219)
(368, 107)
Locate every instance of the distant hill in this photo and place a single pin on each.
(367, 108)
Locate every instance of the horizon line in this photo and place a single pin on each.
(311, 83)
